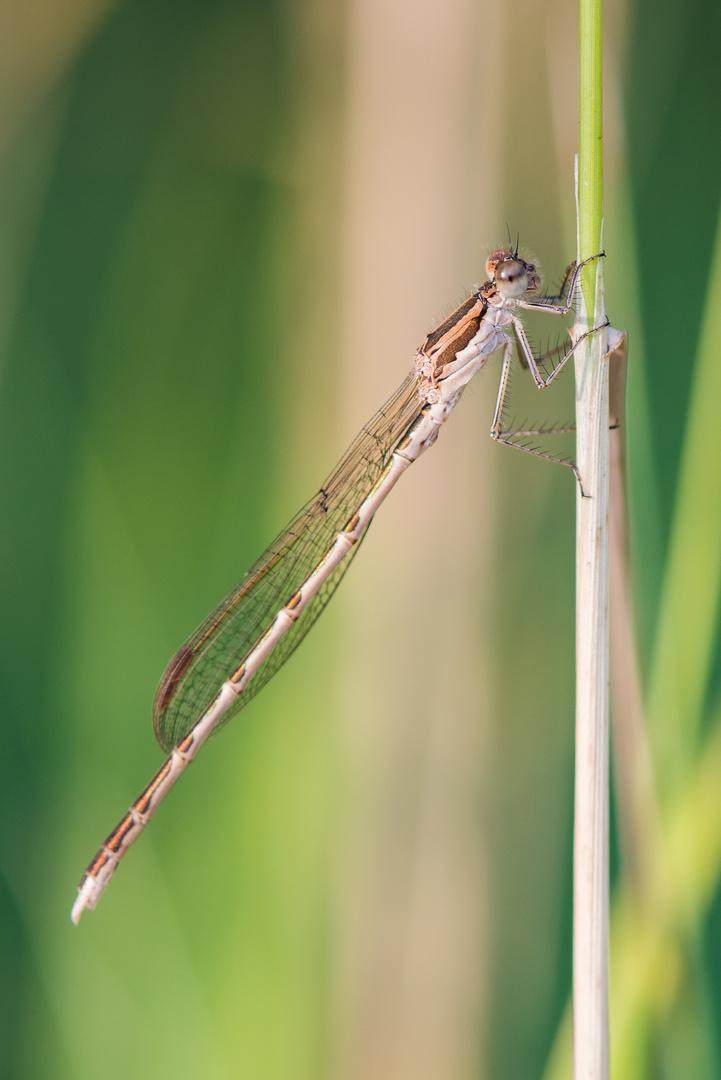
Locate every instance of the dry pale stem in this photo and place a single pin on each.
(590, 924)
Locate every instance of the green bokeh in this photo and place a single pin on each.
(149, 407)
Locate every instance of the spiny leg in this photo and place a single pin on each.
(530, 361)
(507, 437)
(526, 355)
(561, 304)
(563, 294)
(557, 350)
(556, 305)
(542, 431)
(569, 430)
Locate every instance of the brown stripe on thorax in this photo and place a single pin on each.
(454, 333)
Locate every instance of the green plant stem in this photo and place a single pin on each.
(590, 144)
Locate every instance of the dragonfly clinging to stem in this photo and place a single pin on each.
(253, 631)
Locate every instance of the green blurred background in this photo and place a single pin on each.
(224, 229)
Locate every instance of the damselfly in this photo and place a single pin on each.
(248, 637)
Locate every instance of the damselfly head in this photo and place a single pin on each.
(512, 275)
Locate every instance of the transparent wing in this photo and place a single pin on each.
(197, 671)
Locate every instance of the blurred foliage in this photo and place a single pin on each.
(172, 194)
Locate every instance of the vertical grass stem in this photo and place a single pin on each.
(590, 923)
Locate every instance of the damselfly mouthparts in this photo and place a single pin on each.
(247, 638)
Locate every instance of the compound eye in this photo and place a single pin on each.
(511, 278)
(494, 259)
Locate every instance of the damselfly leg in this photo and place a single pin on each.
(559, 304)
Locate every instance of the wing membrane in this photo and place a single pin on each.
(223, 640)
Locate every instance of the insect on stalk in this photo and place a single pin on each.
(253, 631)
